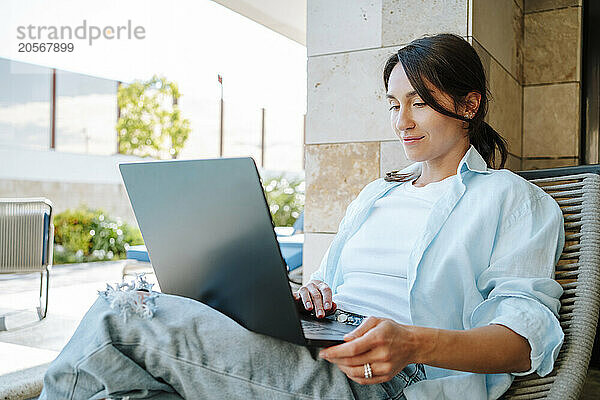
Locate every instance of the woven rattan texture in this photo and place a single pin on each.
(578, 271)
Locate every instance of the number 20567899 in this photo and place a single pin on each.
(47, 47)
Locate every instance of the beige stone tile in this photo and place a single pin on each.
(346, 98)
(497, 26)
(551, 120)
(393, 157)
(529, 164)
(505, 111)
(339, 25)
(552, 46)
(335, 174)
(404, 21)
(513, 163)
(483, 54)
(520, 4)
(315, 246)
(541, 5)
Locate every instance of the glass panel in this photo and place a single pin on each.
(86, 114)
(25, 102)
(203, 114)
(284, 139)
(242, 131)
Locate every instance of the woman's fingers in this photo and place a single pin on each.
(305, 297)
(363, 328)
(349, 349)
(317, 296)
(361, 359)
(357, 374)
(326, 295)
(377, 369)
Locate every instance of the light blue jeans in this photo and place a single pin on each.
(188, 350)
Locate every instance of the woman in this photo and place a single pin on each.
(447, 264)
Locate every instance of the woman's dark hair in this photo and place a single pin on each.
(449, 63)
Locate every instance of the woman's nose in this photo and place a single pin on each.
(403, 120)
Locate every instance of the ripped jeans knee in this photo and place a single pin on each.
(133, 298)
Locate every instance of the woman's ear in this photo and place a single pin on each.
(472, 100)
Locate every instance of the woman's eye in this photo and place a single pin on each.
(394, 107)
(419, 105)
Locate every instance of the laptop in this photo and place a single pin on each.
(210, 237)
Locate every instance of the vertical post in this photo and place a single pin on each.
(590, 96)
(262, 140)
(118, 118)
(221, 130)
(221, 123)
(53, 112)
(304, 144)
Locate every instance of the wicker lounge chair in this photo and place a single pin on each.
(577, 191)
(26, 241)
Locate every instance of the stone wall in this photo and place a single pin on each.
(531, 54)
(497, 36)
(551, 83)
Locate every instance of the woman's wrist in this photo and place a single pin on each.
(424, 342)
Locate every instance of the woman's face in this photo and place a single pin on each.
(425, 134)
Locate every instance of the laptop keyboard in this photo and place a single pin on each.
(319, 327)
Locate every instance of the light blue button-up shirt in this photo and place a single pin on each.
(486, 256)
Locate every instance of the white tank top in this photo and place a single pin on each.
(374, 260)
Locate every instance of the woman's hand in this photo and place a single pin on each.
(316, 295)
(381, 342)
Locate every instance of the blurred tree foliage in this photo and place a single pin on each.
(150, 122)
(84, 235)
(285, 198)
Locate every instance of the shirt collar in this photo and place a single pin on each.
(471, 161)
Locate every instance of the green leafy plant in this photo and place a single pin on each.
(84, 235)
(150, 122)
(285, 198)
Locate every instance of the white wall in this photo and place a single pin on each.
(51, 166)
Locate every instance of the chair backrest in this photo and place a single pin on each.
(26, 235)
(577, 191)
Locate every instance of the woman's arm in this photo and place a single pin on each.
(389, 347)
(489, 349)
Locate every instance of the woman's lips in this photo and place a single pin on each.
(412, 140)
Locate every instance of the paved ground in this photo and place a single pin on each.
(73, 288)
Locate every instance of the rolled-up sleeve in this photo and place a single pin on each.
(519, 287)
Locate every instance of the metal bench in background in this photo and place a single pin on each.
(26, 242)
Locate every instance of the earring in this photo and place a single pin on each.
(469, 115)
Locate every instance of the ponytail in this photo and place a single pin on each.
(486, 141)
